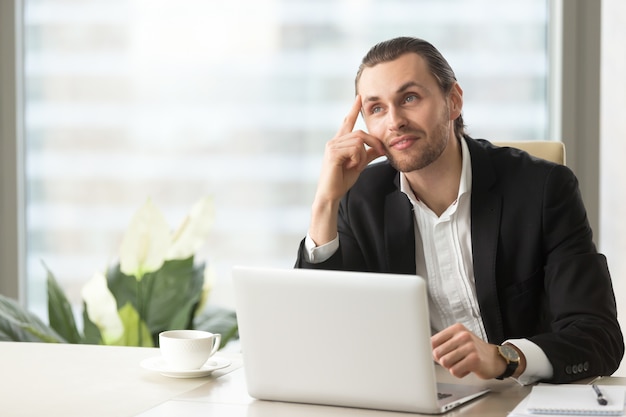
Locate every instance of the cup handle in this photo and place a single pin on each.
(216, 343)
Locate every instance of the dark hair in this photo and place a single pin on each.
(391, 49)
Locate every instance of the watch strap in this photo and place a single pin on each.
(510, 370)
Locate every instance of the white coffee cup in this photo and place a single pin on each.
(188, 349)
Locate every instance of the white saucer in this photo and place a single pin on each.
(158, 364)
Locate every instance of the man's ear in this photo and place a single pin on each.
(456, 101)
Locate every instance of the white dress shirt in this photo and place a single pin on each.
(443, 257)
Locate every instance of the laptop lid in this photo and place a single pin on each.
(339, 338)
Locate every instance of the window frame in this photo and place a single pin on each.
(12, 200)
(574, 96)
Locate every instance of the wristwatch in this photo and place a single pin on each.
(512, 359)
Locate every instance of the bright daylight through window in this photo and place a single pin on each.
(130, 100)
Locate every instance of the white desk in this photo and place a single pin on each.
(39, 379)
(80, 380)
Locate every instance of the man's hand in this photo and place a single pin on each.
(345, 157)
(461, 352)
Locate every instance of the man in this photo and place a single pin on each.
(516, 286)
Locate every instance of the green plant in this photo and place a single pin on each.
(155, 286)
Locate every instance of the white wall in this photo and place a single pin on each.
(613, 150)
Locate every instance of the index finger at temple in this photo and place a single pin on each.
(350, 120)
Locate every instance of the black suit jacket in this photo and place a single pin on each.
(537, 272)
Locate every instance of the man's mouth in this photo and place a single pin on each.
(402, 142)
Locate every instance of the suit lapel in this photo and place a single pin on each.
(399, 233)
(486, 209)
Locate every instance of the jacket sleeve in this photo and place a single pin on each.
(584, 337)
(348, 255)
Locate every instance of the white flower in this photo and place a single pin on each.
(145, 243)
(194, 230)
(102, 308)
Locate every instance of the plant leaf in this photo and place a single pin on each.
(176, 290)
(133, 326)
(207, 286)
(19, 325)
(220, 320)
(91, 333)
(169, 295)
(122, 286)
(60, 313)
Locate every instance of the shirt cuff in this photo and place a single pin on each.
(538, 366)
(318, 254)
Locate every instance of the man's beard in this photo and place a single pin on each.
(433, 150)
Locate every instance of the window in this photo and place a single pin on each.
(128, 99)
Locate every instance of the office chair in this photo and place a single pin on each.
(545, 149)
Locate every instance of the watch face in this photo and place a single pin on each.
(509, 353)
(512, 359)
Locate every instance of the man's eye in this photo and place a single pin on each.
(410, 98)
(376, 109)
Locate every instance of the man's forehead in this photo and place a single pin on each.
(393, 77)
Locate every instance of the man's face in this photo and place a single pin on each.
(404, 107)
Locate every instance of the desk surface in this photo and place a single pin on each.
(39, 379)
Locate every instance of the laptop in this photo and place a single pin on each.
(340, 338)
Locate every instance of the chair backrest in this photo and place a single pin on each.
(545, 149)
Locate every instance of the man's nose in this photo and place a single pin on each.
(397, 119)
